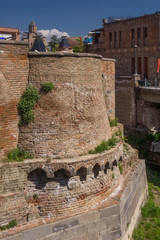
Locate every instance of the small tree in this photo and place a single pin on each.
(53, 43)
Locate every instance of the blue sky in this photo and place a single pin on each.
(76, 18)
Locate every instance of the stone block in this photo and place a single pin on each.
(36, 233)
(73, 232)
(112, 235)
(55, 236)
(110, 211)
(92, 236)
(89, 217)
(62, 225)
(114, 221)
(15, 237)
(97, 225)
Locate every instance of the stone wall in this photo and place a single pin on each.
(136, 107)
(72, 119)
(14, 68)
(148, 115)
(111, 217)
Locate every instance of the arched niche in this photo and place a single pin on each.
(106, 167)
(62, 177)
(114, 164)
(82, 173)
(39, 177)
(96, 170)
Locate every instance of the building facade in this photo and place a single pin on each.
(11, 33)
(117, 39)
(32, 35)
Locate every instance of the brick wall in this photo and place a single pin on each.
(75, 184)
(73, 119)
(14, 67)
(121, 47)
(108, 80)
(125, 101)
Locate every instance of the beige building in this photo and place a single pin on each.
(14, 32)
(32, 34)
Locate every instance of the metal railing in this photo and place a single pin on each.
(149, 83)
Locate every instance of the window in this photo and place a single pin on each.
(110, 40)
(145, 35)
(120, 39)
(115, 39)
(97, 35)
(132, 37)
(138, 36)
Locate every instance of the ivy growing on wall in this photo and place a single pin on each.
(26, 105)
(28, 101)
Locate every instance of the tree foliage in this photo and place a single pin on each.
(54, 42)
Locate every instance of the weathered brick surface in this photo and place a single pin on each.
(126, 101)
(108, 81)
(65, 194)
(91, 225)
(14, 67)
(72, 119)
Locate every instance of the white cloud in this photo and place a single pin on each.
(48, 33)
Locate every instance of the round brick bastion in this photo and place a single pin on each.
(72, 119)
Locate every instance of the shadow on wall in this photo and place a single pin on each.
(82, 173)
(39, 177)
(62, 176)
(96, 170)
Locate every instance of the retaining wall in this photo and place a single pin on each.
(112, 219)
(62, 187)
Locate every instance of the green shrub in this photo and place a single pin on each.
(35, 196)
(26, 104)
(112, 141)
(18, 155)
(11, 224)
(142, 143)
(78, 49)
(149, 225)
(114, 122)
(151, 209)
(138, 233)
(47, 87)
(120, 168)
(157, 137)
(105, 145)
